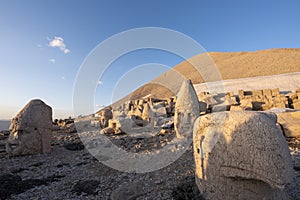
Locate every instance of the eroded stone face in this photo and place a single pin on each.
(105, 116)
(241, 155)
(186, 110)
(31, 130)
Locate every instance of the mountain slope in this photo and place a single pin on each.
(231, 65)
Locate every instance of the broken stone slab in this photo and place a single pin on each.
(275, 92)
(290, 122)
(30, 130)
(202, 107)
(220, 107)
(267, 92)
(160, 112)
(296, 105)
(186, 110)
(235, 108)
(257, 93)
(246, 104)
(241, 155)
(241, 94)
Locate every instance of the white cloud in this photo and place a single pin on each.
(59, 42)
(62, 78)
(99, 106)
(52, 60)
(66, 51)
(39, 45)
(99, 82)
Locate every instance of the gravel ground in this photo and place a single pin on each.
(70, 172)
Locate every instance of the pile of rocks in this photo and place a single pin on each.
(64, 125)
(143, 115)
(257, 100)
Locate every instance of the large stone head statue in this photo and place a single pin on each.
(30, 130)
(186, 110)
(241, 155)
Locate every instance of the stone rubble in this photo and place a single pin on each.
(143, 126)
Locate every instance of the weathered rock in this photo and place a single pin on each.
(209, 100)
(121, 124)
(267, 92)
(145, 114)
(257, 92)
(107, 130)
(31, 130)
(290, 122)
(104, 116)
(186, 110)
(275, 92)
(241, 94)
(220, 107)
(160, 112)
(202, 107)
(128, 192)
(235, 108)
(241, 155)
(296, 105)
(246, 104)
(86, 186)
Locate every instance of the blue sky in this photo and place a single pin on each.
(33, 67)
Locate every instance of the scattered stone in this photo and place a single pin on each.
(187, 190)
(13, 184)
(107, 130)
(235, 108)
(86, 186)
(241, 155)
(241, 94)
(257, 93)
(267, 92)
(127, 192)
(246, 104)
(31, 130)
(275, 92)
(76, 146)
(290, 122)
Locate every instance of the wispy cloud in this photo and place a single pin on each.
(99, 82)
(59, 42)
(99, 106)
(52, 60)
(39, 45)
(62, 78)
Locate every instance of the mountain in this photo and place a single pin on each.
(231, 65)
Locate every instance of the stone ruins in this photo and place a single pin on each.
(30, 130)
(240, 151)
(256, 100)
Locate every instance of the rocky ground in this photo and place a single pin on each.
(70, 172)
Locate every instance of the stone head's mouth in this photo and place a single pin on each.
(241, 173)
